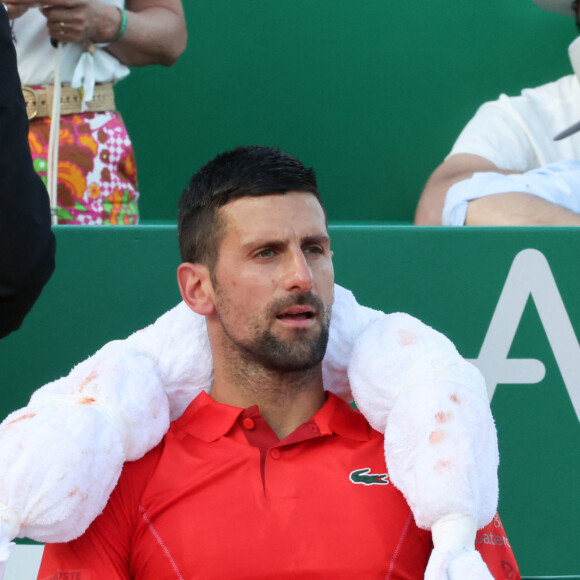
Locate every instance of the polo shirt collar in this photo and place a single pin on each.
(208, 420)
(337, 416)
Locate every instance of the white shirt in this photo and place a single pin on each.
(37, 57)
(517, 133)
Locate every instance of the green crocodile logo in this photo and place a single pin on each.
(366, 478)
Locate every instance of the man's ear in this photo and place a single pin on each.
(196, 287)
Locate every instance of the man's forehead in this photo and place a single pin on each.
(275, 196)
(277, 207)
(278, 218)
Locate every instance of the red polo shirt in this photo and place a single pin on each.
(222, 498)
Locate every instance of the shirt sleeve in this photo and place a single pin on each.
(27, 245)
(498, 134)
(557, 183)
(101, 552)
(104, 551)
(496, 551)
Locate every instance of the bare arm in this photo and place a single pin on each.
(155, 32)
(455, 168)
(502, 209)
(518, 209)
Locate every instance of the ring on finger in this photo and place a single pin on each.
(61, 26)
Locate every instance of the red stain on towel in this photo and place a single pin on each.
(90, 378)
(442, 465)
(407, 337)
(437, 436)
(26, 416)
(442, 417)
(86, 401)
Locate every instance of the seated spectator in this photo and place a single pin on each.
(26, 242)
(507, 136)
(96, 41)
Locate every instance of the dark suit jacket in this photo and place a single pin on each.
(27, 244)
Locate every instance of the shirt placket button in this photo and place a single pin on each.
(275, 453)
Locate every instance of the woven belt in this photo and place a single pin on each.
(39, 101)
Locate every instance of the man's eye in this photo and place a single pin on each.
(314, 250)
(265, 253)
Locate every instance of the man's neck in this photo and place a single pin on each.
(286, 399)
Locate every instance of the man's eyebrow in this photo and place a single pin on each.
(279, 242)
(321, 239)
(270, 242)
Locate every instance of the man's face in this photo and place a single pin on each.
(274, 280)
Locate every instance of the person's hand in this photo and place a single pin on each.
(73, 20)
(17, 8)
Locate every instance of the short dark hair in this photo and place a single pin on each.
(244, 171)
(575, 9)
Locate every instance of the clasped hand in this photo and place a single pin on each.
(66, 20)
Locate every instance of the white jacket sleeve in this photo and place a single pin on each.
(557, 183)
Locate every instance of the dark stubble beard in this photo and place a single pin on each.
(301, 353)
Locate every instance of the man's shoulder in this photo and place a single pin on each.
(141, 469)
(566, 87)
(516, 132)
(146, 465)
(552, 94)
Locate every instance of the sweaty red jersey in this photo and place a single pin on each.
(222, 498)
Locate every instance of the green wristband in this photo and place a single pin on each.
(123, 26)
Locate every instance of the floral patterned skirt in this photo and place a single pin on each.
(97, 177)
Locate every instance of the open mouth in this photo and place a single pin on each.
(296, 316)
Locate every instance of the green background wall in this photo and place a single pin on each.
(371, 93)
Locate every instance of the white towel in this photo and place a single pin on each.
(62, 455)
(178, 345)
(432, 405)
(440, 438)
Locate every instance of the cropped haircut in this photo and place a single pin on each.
(242, 172)
(575, 8)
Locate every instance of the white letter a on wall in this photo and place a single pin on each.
(530, 275)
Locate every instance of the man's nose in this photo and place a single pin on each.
(299, 274)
